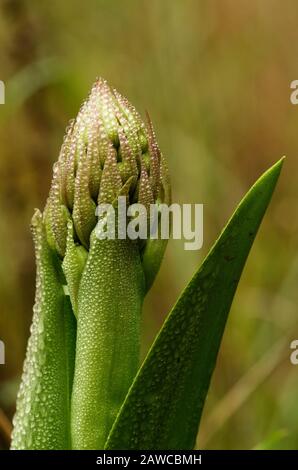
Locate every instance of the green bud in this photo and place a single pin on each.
(107, 151)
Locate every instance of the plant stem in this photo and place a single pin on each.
(107, 352)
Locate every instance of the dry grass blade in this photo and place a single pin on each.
(5, 427)
(241, 391)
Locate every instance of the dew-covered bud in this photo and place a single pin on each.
(108, 151)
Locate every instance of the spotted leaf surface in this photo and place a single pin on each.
(43, 404)
(164, 405)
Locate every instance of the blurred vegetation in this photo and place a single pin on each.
(215, 77)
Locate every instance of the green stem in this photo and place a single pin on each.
(107, 352)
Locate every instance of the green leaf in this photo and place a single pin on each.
(164, 405)
(43, 405)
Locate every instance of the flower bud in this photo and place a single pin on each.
(108, 151)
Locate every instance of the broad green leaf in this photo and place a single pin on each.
(164, 404)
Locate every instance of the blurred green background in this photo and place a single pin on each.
(215, 77)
